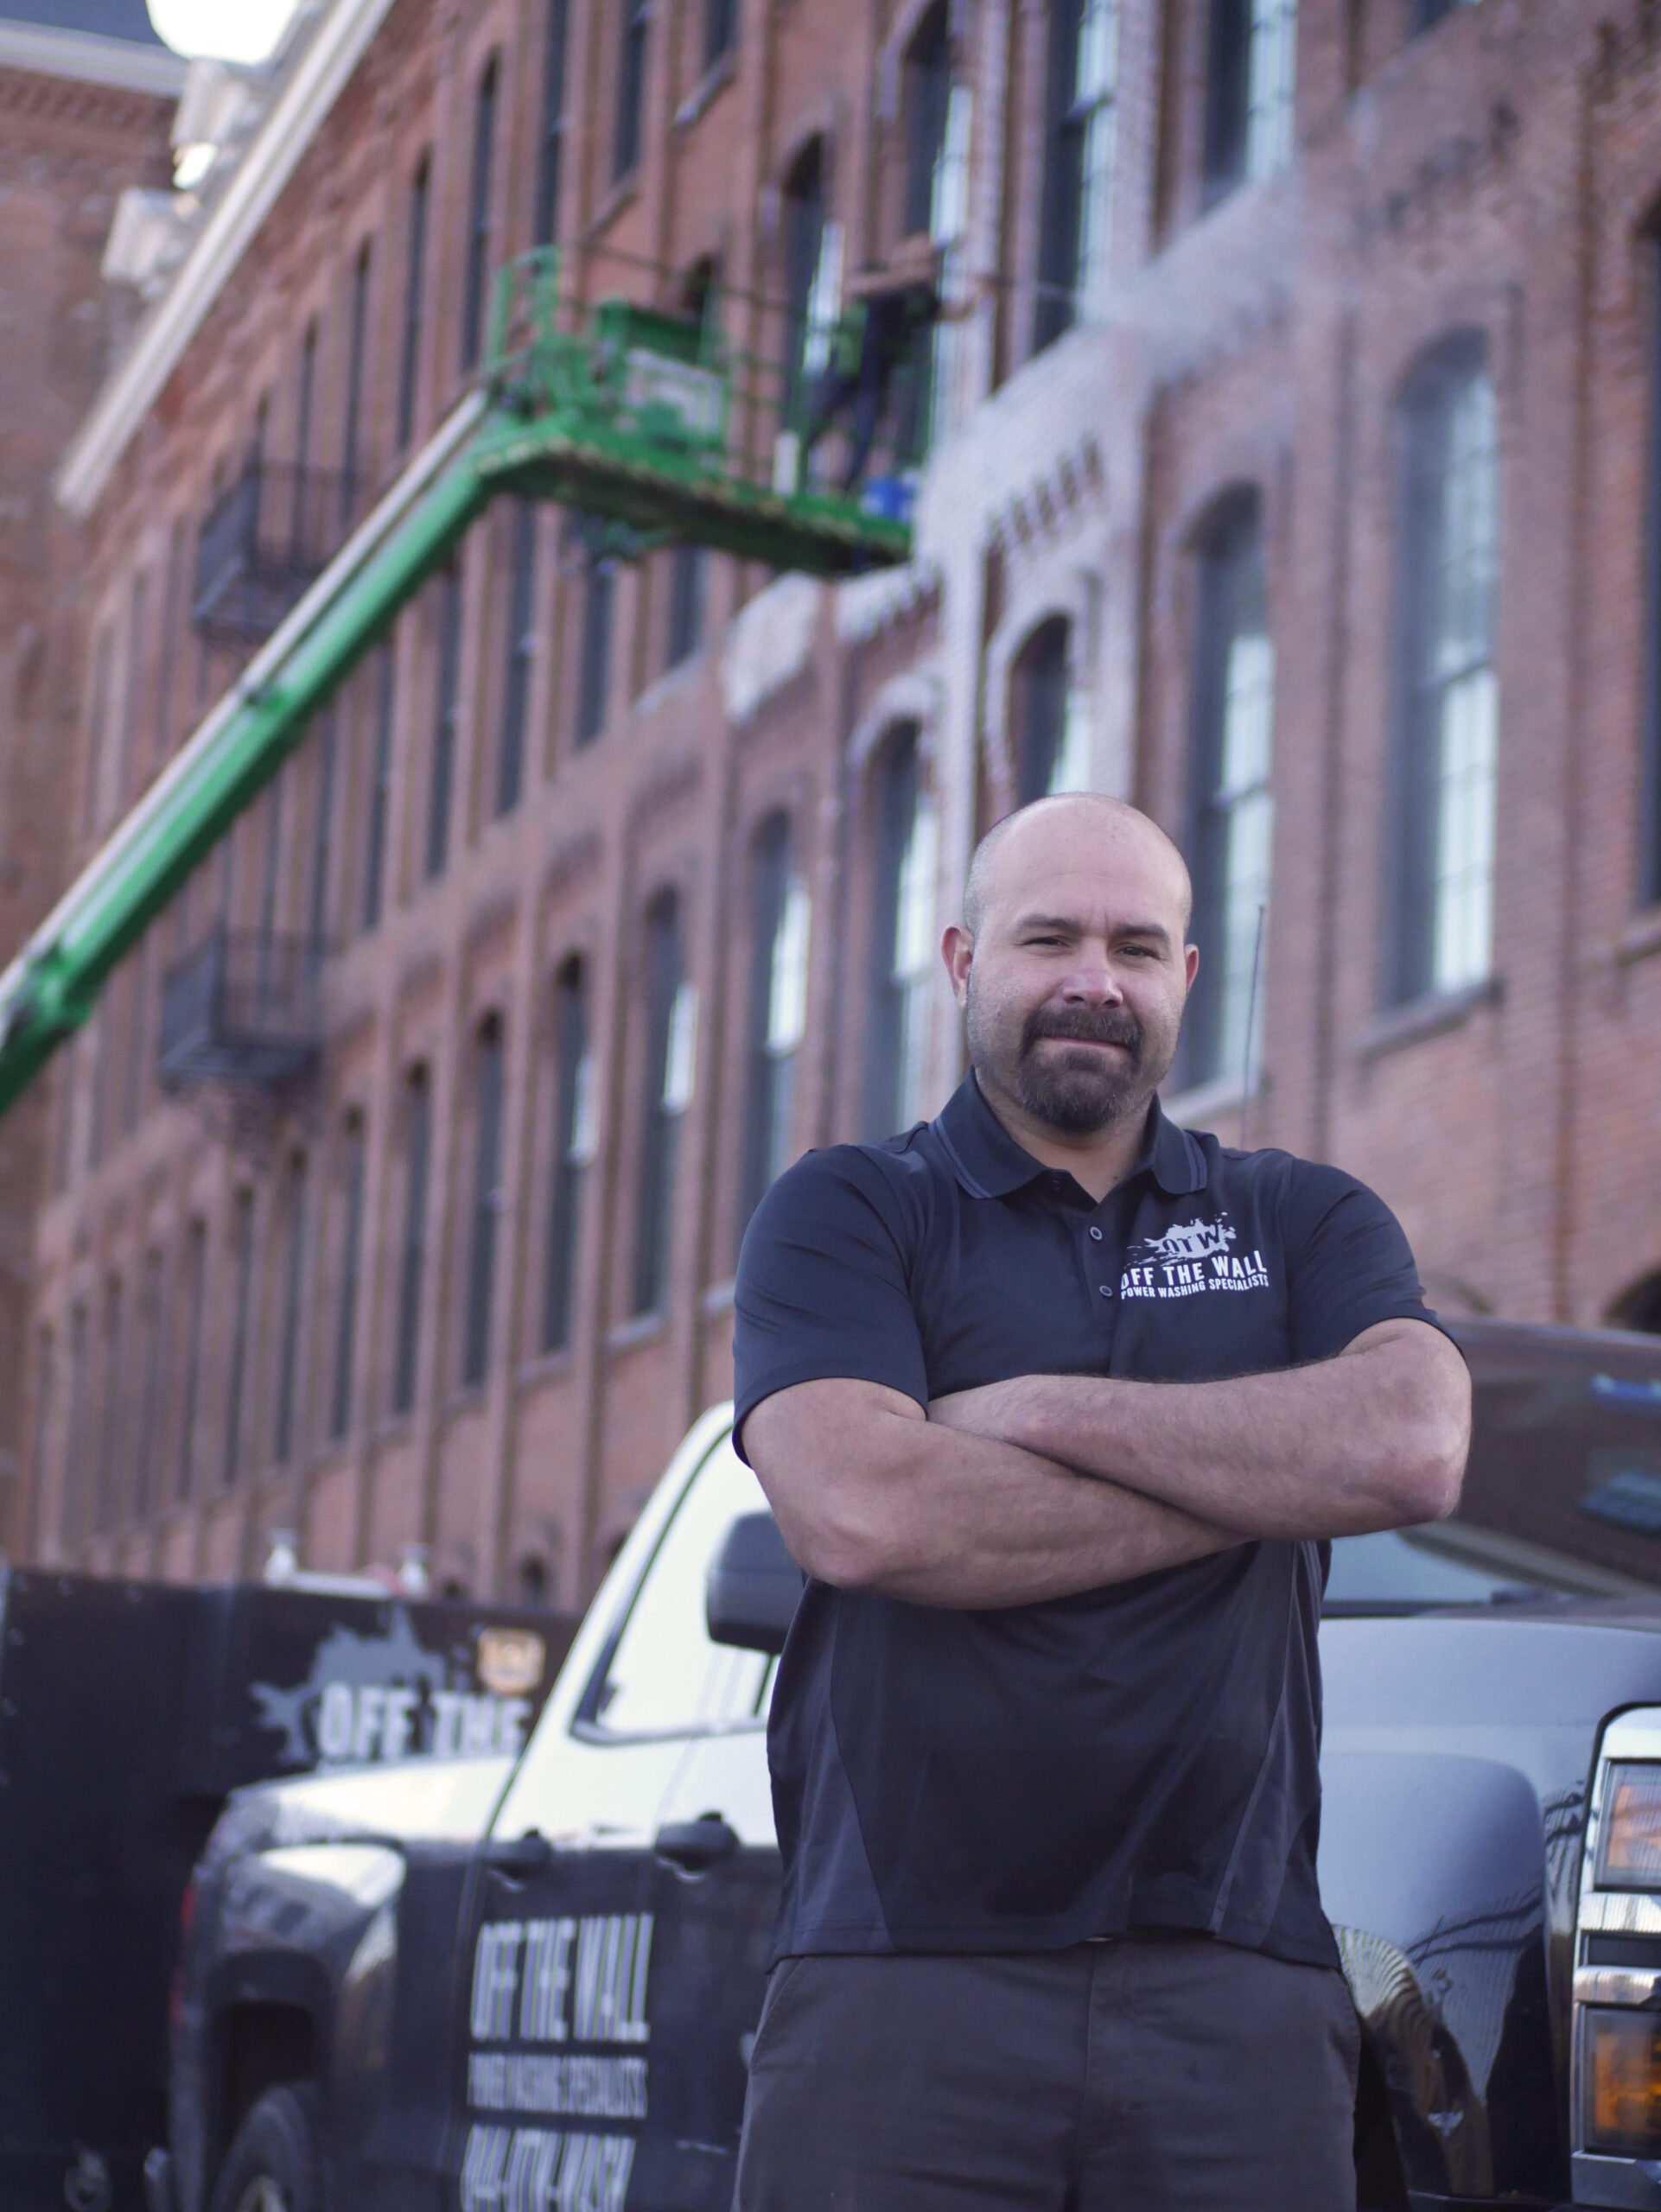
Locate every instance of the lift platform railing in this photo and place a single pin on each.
(649, 422)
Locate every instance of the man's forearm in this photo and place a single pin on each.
(1372, 1440)
(912, 1510)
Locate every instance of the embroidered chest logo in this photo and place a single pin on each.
(1192, 1256)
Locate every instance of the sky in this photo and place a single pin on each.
(236, 30)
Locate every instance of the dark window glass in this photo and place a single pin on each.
(444, 727)
(1447, 730)
(1039, 712)
(113, 1440)
(1230, 815)
(345, 1336)
(138, 627)
(305, 401)
(46, 1411)
(196, 1322)
(720, 29)
(1077, 151)
(1649, 852)
(778, 1009)
(351, 467)
(553, 124)
(594, 674)
(412, 1256)
(415, 307)
(380, 784)
(478, 268)
(630, 87)
(71, 1503)
(1427, 12)
(139, 1001)
(153, 1383)
(687, 571)
(242, 1240)
(487, 1202)
(671, 1043)
(928, 91)
(294, 1293)
(323, 834)
(521, 653)
(905, 856)
(168, 654)
(803, 243)
(575, 1140)
(1251, 60)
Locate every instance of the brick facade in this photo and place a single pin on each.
(1494, 174)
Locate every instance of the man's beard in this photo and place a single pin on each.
(1075, 1093)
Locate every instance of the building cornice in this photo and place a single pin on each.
(320, 73)
(86, 59)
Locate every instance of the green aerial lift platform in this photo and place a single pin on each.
(644, 422)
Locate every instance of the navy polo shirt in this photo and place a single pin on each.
(1142, 1756)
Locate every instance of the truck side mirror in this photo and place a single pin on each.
(753, 1587)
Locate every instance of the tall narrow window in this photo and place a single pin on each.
(351, 464)
(152, 1321)
(1231, 811)
(98, 765)
(1448, 731)
(927, 89)
(440, 788)
(167, 644)
(670, 1060)
(1251, 81)
(412, 1254)
(551, 150)
(415, 306)
(304, 406)
(805, 272)
(1078, 160)
(72, 1501)
(113, 1441)
(720, 29)
(346, 1332)
(576, 1138)
(686, 627)
(902, 947)
(521, 656)
(630, 87)
(138, 1007)
(323, 834)
(45, 1415)
(777, 1011)
(1049, 728)
(488, 1102)
(380, 784)
(594, 672)
(294, 1295)
(242, 1242)
(477, 280)
(195, 1323)
(133, 690)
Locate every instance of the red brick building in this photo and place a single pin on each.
(1290, 471)
(86, 98)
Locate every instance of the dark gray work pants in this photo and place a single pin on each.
(1137, 2075)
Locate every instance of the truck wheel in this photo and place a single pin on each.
(274, 2164)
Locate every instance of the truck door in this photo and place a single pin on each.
(618, 1957)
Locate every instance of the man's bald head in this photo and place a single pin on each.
(1080, 824)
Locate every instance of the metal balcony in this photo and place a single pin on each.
(244, 1009)
(264, 542)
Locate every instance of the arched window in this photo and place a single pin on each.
(1250, 75)
(1446, 729)
(671, 1061)
(412, 1249)
(478, 260)
(521, 653)
(576, 1140)
(488, 1100)
(346, 1330)
(1049, 730)
(1078, 160)
(779, 915)
(594, 670)
(902, 945)
(1231, 811)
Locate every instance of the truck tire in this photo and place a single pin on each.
(274, 2161)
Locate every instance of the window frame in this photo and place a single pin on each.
(475, 284)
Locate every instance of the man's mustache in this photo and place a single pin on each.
(1106, 1025)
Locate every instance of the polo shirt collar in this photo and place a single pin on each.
(990, 1164)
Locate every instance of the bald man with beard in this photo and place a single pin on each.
(1059, 1407)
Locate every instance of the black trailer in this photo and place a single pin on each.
(127, 1712)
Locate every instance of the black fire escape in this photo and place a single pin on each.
(244, 1009)
(264, 542)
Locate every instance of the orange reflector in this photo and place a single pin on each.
(1620, 2082)
(1629, 1854)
